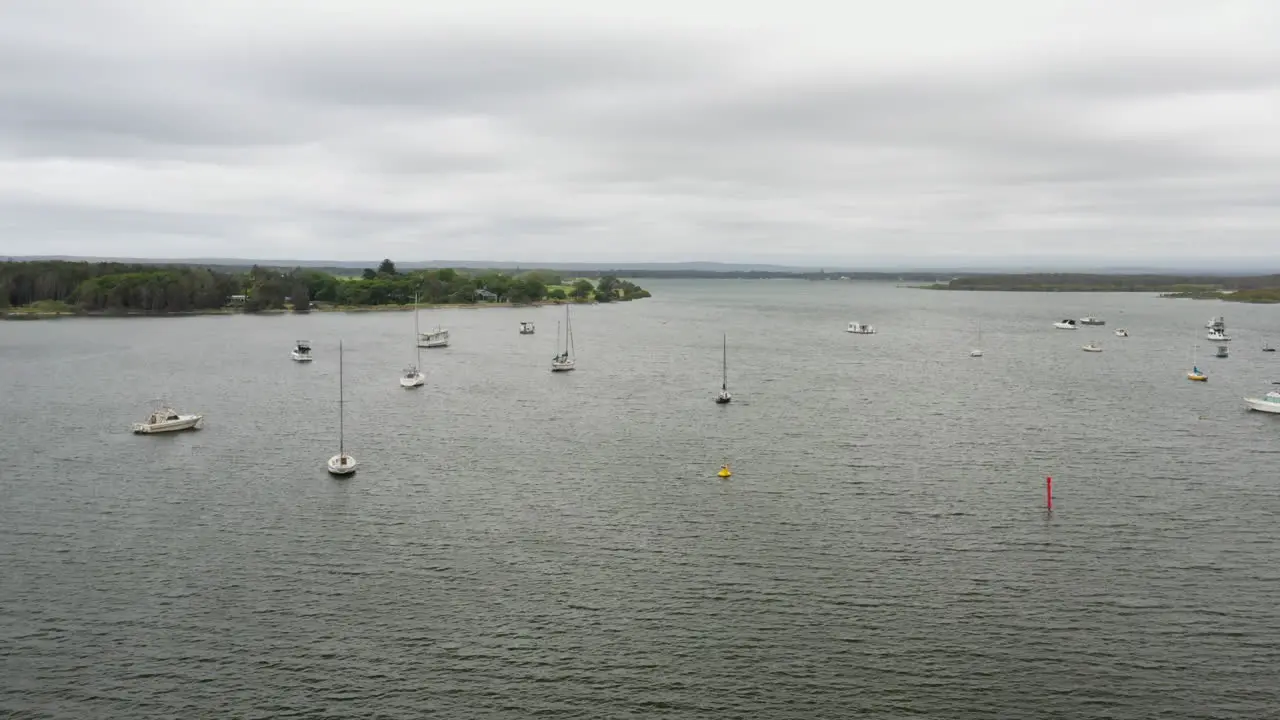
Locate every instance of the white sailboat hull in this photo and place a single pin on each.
(563, 365)
(342, 464)
(299, 357)
(184, 422)
(413, 381)
(1091, 348)
(975, 353)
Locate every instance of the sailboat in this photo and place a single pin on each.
(564, 361)
(977, 352)
(412, 376)
(342, 463)
(1196, 374)
(724, 397)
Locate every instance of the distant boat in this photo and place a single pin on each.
(166, 419)
(1067, 324)
(977, 352)
(301, 351)
(860, 329)
(1122, 333)
(724, 397)
(412, 376)
(1092, 321)
(1195, 374)
(1218, 330)
(342, 463)
(1094, 346)
(526, 328)
(564, 361)
(1266, 347)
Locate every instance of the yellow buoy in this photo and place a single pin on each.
(724, 471)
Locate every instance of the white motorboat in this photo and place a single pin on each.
(860, 329)
(564, 360)
(1122, 333)
(724, 397)
(1092, 347)
(1067, 324)
(412, 376)
(526, 328)
(301, 351)
(341, 464)
(1218, 330)
(166, 419)
(437, 338)
(1092, 321)
(1269, 403)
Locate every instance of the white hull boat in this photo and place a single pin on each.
(564, 360)
(1270, 403)
(1092, 321)
(526, 328)
(342, 464)
(437, 338)
(1218, 337)
(412, 376)
(860, 329)
(165, 419)
(1122, 333)
(1065, 324)
(1091, 347)
(301, 351)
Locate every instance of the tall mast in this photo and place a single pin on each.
(340, 400)
(417, 348)
(568, 329)
(724, 377)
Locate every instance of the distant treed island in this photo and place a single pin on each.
(1250, 289)
(56, 287)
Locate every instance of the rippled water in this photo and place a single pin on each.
(522, 544)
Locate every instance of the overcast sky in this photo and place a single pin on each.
(654, 131)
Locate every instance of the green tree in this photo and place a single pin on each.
(556, 294)
(582, 289)
(386, 267)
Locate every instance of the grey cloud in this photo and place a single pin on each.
(502, 142)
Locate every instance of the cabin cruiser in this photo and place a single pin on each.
(1269, 403)
(860, 329)
(435, 339)
(166, 419)
(1218, 330)
(301, 351)
(1067, 324)
(1092, 321)
(526, 328)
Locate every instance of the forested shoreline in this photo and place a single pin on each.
(1251, 289)
(61, 287)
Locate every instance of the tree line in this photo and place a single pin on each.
(158, 289)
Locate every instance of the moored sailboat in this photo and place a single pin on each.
(412, 376)
(343, 463)
(724, 397)
(564, 361)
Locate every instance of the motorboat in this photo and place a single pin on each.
(860, 329)
(437, 338)
(301, 351)
(1269, 403)
(1091, 347)
(1067, 324)
(1218, 330)
(166, 419)
(526, 328)
(1092, 321)
(1222, 351)
(1122, 333)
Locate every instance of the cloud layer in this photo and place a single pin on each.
(824, 133)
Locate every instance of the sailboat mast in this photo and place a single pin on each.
(417, 347)
(568, 329)
(340, 401)
(724, 364)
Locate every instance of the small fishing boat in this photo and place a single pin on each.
(1094, 346)
(301, 351)
(526, 328)
(860, 329)
(166, 419)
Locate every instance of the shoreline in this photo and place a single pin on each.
(20, 314)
